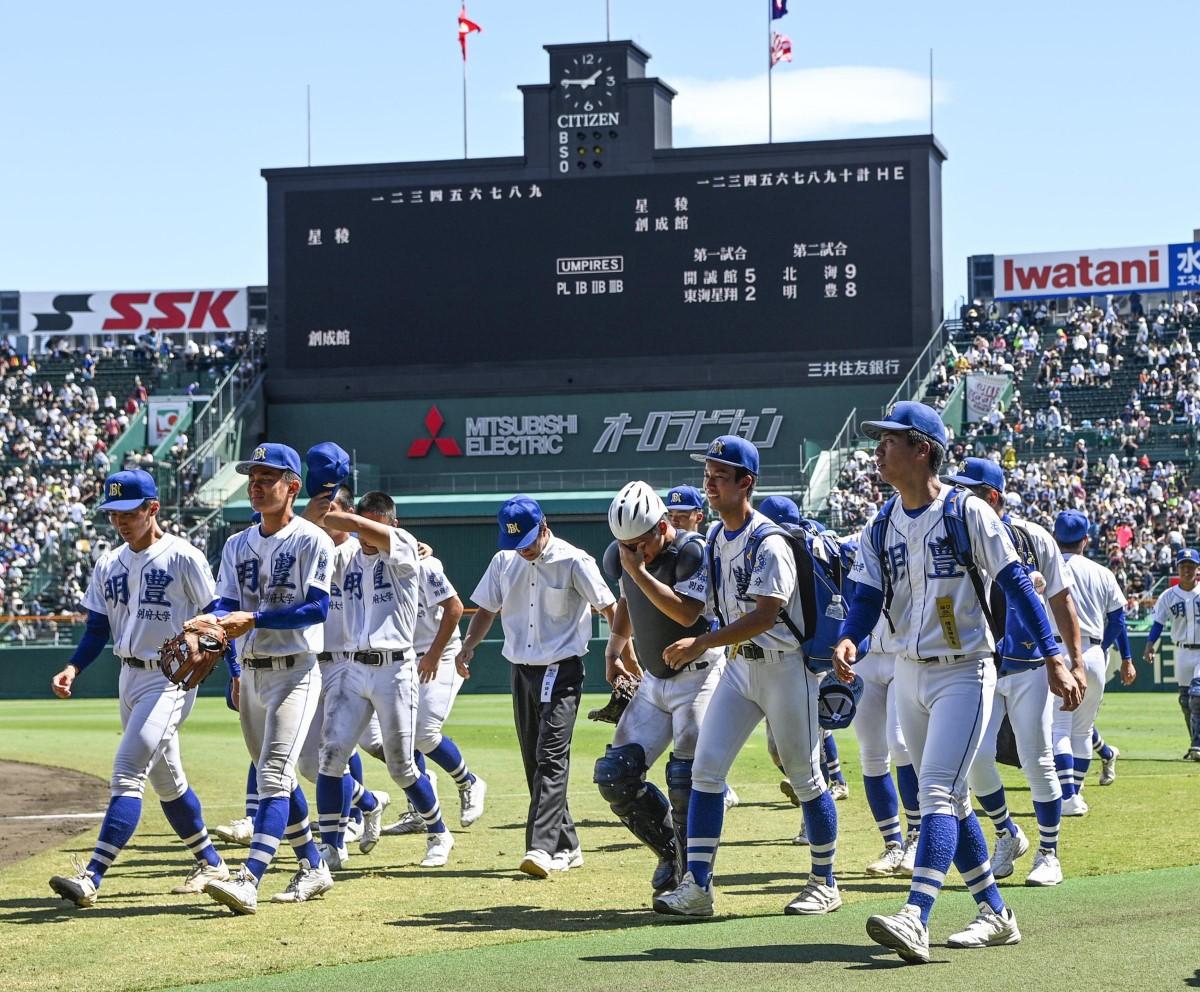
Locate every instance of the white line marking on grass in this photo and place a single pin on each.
(54, 816)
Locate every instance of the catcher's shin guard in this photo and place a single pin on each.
(620, 776)
(679, 789)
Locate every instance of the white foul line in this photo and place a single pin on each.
(55, 816)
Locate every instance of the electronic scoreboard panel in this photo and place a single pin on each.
(586, 260)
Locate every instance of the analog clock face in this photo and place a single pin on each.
(588, 82)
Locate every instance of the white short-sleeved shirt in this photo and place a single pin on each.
(149, 595)
(1049, 558)
(435, 589)
(1179, 612)
(1096, 593)
(337, 637)
(380, 595)
(738, 582)
(544, 605)
(934, 608)
(266, 574)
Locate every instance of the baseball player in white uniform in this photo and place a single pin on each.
(660, 573)
(1178, 609)
(380, 595)
(924, 584)
(1100, 604)
(1022, 690)
(766, 677)
(274, 594)
(140, 594)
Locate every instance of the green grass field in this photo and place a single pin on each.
(1124, 919)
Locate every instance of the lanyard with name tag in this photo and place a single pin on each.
(548, 682)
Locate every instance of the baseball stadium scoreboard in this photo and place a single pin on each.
(604, 255)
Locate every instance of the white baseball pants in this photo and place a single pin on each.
(1026, 698)
(152, 708)
(877, 720)
(1073, 730)
(276, 712)
(668, 712)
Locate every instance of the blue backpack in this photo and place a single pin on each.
(819, 579)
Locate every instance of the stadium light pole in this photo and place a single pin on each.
(770, 95)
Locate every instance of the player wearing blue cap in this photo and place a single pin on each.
(1023, 690)
(910, 570)
(1178, 609)
(543, 589)
(274, 594)
(766, 677)
(1100, 603)
(140, 594)
(685, 509)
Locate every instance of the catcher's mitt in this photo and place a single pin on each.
(622, 692)
(189, 657)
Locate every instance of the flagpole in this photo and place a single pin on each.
(308, 119)
(607, 21)
(464, 105)
(931, 91)
(770, 95)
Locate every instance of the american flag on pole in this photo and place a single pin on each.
(781, 48)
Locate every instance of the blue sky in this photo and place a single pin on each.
(134, 132)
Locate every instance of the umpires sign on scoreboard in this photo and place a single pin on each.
(603, 258)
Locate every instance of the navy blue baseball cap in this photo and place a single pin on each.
(1187, 554)
(978, 472)
(128, 490)
(780, 510)
(908, 416)
(729, 449)
(1070, 527)
(272, 456)
(684, 498)
(328, 467)
(520, 521)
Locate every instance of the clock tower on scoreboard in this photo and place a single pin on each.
(599, 114)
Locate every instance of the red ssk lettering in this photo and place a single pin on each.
(209, 308)
(168, 304)
(212, 306)
(126, 305)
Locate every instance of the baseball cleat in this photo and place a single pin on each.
(786, 788)
(902, 932)
(410, 822)
(566, 860)
(200, 876)
(817, 898)
(731, 798)
(437, 849)
(1075, 806)
(1193, 754)
(240, 831)
(801, 838)
(373, 822)
(665, 877)
(354, 826)
(470, 798)
(239, 893)
(1009, 847)
(1108, 768)
(1046, 870)
(839, 791)
(336, 858)
(537, 864)
(909, 861)
(79, 888)
(687, 899)
(988, 929)
(888, 861)
(307, 883)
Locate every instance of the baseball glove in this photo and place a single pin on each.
(189, 657)
(622, 692)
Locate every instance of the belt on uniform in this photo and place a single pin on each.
(379, 657)
(1189, 647)
(1092, 642)
(325, 656)
(695, 666)
(139, 663)
(752, 652)
(286, 661)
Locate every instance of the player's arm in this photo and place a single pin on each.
(620, 633)
(1018, 590)
(477, 630)
(762, 618)
(452, 611)
(96, 633)
(1116, 632)
(865, 585)
(1062, 605)
(684, 610)
(379, 535)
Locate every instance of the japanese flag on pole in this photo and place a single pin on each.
(781, 48)
(465, 27)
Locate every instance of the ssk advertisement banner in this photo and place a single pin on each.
(1096, 272)
(134, 311)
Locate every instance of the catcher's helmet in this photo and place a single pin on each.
(837, 701)
(636, 509)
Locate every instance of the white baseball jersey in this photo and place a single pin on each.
(738, 581)
(1096, 594)
(380, 595)
(337, 637)
(434, 590)
(544, 603)
(934, 608)
(1050, 561)
(148, 595)
(267, 574)
(1179, 612)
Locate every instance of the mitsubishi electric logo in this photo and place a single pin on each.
(434, 422)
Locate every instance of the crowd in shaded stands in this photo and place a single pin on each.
(1141, 510)
(59, 420)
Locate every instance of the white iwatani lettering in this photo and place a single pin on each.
(589, 120)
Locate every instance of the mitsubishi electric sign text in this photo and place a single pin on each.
(1098, 272)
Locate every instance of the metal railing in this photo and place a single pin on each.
(912, 386)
